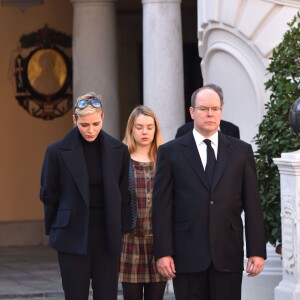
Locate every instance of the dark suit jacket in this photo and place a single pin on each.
(197, 226)
(65, 192)
(225, 127)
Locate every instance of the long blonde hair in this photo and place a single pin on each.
(129, 140)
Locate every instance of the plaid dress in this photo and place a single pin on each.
(137, 262)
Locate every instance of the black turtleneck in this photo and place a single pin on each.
(92, 155)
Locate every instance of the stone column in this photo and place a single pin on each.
(163, 63)
(289, 168)
(95, 56)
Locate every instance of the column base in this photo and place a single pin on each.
(287, 291)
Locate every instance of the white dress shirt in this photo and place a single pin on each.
(202, 146)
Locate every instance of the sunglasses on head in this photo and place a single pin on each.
(85, 102)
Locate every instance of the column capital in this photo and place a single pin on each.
(288, 163)
(161, 1)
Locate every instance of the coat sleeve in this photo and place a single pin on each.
(254, 222)
(162, 215)
(50, 191)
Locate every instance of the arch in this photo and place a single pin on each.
(241, 72)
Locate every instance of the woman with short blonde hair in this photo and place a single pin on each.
(84, 188)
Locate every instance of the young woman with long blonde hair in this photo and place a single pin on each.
(138, 272)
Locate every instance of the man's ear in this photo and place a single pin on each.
(192, 110)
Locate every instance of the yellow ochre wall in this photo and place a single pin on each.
(24, 138)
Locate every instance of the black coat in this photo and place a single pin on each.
(65, 192)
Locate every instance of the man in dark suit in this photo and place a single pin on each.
(197, 224)
(225, 126)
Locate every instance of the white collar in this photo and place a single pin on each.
(199, 138)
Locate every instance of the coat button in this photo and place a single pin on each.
(211, 202)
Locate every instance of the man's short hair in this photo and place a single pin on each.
(211, 86)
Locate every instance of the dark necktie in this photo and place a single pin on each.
(211, 162)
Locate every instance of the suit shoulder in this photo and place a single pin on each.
(52, 149)
(228, 124)
(237, 142)
(55, 145)
(173, 143)
(69, 137)
(184, 129)
(187, 126)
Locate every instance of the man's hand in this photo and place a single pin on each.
(255, 265)
(166, 267)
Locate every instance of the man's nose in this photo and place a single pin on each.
(209, 111)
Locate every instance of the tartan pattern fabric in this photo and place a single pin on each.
(137, 262)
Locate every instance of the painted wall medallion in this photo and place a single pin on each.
(43, 73)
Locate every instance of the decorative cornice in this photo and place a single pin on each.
(259, 23)
(293, 3)
(46, 37)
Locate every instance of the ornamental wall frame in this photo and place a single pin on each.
(42, 73)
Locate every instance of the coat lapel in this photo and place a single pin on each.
(106, 153)
(223, 158)
(72, 154)
(111, 154)
(191, 153)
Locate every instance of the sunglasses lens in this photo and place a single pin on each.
(96, 103)
(82, 103)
